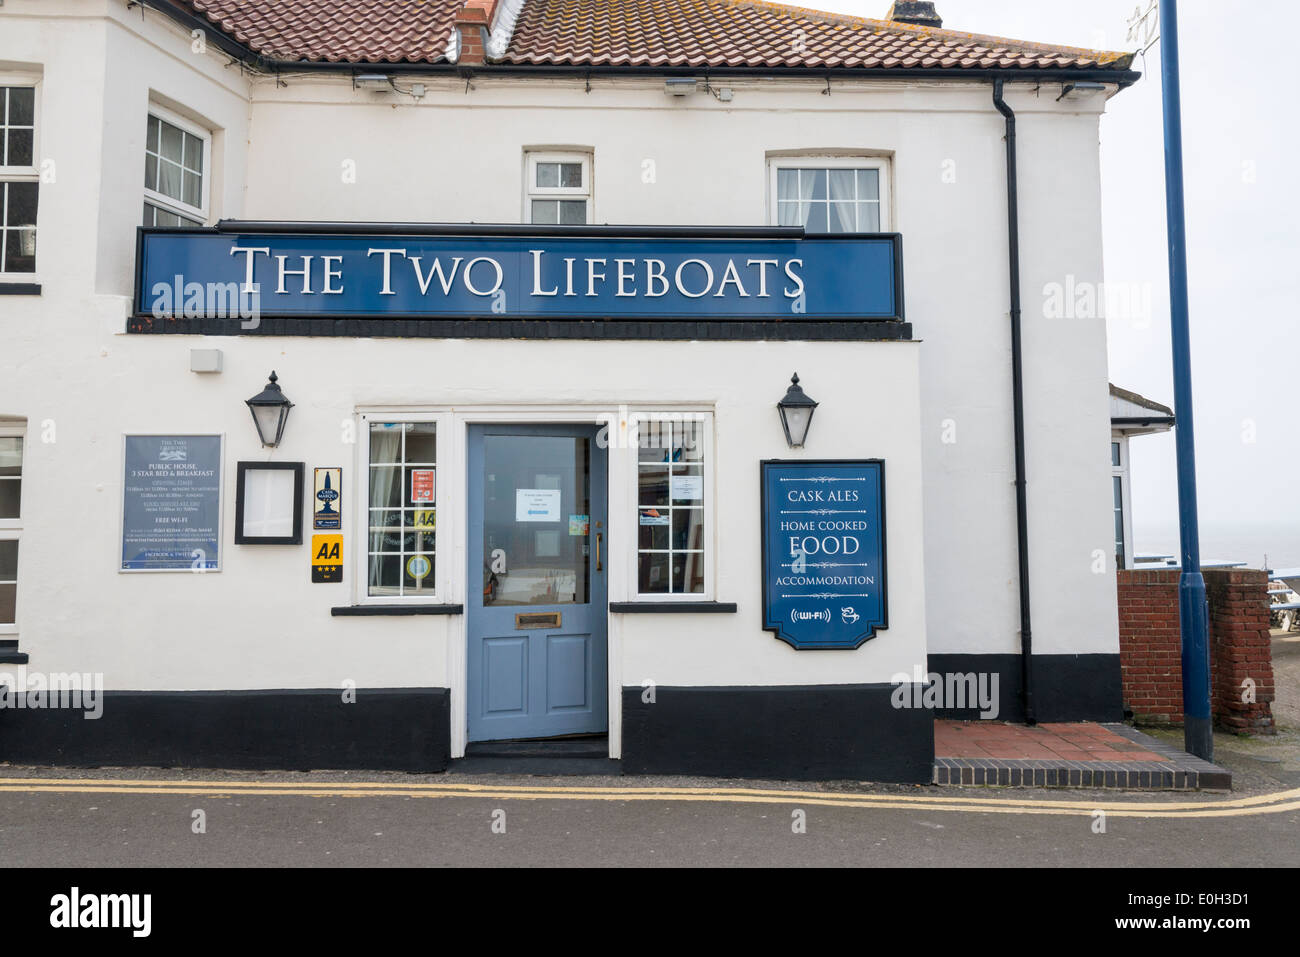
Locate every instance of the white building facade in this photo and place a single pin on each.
(552, 519)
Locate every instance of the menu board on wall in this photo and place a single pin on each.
(824, 552)
(171, 503)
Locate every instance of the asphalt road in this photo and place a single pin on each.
(685, 826)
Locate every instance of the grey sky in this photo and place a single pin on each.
(1243, 243)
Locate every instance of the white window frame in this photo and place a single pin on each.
(531, 192)
(445, 553)
(632, 491)
(167, 203)
(815, 161)
(11, 528)
(25, 174)
(1121, 472)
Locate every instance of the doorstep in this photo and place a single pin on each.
(1083, 755)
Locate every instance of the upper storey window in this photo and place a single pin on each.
(558, 189)
(831, 195)
(19, 179)
(176, 160)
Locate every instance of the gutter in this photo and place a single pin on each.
(1018, 407)
(250, 58)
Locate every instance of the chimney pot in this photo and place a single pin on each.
(921, 14)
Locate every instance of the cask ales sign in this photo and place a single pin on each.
(824, 552)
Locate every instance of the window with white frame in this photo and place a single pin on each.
(19, 179)
(401, 505)
(557, 190)
(1119, 492)
(673, 545)
(176, 160)
(11, 479)
(831, 195)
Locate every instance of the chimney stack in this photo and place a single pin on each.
(918, 13)
(474, 24)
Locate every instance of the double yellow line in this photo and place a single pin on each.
(1276, 803)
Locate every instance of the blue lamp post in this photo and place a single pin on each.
(1193, 612)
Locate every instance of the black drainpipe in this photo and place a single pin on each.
(1018, 403)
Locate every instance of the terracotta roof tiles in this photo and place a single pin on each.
(644, 33)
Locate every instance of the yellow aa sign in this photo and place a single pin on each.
(327, 558)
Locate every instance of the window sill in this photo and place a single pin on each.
(364, 611)
(20, 288)
(9, 653)
(672, 607)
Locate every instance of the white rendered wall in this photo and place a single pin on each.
(457, 156)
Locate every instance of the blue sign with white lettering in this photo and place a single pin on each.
(210, 273)
(171, 503)
(824, 552)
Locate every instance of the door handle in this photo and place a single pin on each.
(599, 536)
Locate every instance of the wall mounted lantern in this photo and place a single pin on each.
(796, 413)
(270, 409)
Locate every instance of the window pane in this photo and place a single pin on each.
(652, 530)
(193, 195)
(20, 148)
(688, 529)
(841, 217)
(150, 172)
(654, 486)
(10, 494)
(11, 455)
(688, 573)
(8, 560)
(546, 212)
(151, 135)
(842, 183)
(817, 221)
(22, 204)
(148, 215)
(1114, 453)
(869, 217)
(421, 444)
(571, 175)
(868, 184)
(8, 601)
(573, 212)
(787, 185)
(22, 106)
(548, 174)
(817, 177)
(173, 143)
(385, 575)
(169, 179)
(386, 443)
(193, 154)
(652, 573)
(386, 487)
(787, 214)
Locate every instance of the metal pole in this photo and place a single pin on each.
(1193, 611)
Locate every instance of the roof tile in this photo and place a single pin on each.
(647, 33)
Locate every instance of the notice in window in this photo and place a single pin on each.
(537, 505)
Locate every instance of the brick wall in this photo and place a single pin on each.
(1151, 654)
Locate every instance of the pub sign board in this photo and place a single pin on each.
(824, 552)
(213, 273)
(171, 503)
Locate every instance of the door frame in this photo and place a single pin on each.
(597, 414)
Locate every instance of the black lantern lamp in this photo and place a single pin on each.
(270, 409)
(796, 413)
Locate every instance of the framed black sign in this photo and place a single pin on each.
(268, 503)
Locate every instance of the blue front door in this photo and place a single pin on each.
(537, 570)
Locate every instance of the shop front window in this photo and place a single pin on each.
(672, 537)
(11, 485)
(402, 507)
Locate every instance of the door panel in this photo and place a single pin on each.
(536, 610)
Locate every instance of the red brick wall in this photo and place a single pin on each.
(1150, 648)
